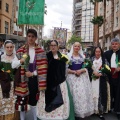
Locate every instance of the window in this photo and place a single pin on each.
(7, 8)
(116, 21)
(107, 3)
(101, 11)
(106, 25)
(6, 27)
(0, 4)
(117, 6)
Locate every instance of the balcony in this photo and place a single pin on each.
(77, 24)
(78, 30)
(78, 13)
(78, 5)
(78, 18)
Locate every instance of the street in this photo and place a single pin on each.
(109, 116)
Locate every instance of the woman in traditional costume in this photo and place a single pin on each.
(56, 102)
(79, 83)
(100, 84)
(7, 98)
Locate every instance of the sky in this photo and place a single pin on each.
(57, 11)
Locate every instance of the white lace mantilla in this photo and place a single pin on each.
(81, 91)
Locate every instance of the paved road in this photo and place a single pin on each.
(109, 116)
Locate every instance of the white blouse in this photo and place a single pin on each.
(16, 63)
(113, 61)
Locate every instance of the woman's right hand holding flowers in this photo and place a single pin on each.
(97, 74)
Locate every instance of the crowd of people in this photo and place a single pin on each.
(55, 86)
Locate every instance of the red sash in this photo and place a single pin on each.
(114, 74)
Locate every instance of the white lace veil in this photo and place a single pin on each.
(9, 41)
(80, 52)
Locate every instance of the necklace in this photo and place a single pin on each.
(10, 54)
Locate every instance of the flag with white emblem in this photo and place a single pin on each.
(31, 12)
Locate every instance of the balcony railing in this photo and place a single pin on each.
(78, 5)
(78, 24)
(78, 13)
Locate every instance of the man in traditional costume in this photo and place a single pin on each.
(33, 75)
(113, 57)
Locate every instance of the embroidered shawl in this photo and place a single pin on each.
(41, 67)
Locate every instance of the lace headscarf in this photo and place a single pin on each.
(6, 42)
(80, 52)
(14, 52)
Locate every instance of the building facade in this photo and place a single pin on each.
(116, 27)
(83, 12)
(6, 16)
(69, 35)
(18, 30)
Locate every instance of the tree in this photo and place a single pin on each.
(94, 1)
(104, 19)
(112, 18)
(74, 39)
(104, 25)
(45, 44)
(98, 20)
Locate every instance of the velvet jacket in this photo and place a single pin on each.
(55, 76)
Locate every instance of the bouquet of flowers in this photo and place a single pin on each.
(8, 73)
(105, 69)
(26, 62)
(65, 59)
(87, 63)
(118, 64)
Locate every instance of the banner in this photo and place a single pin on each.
(60, 34)
(31, 12)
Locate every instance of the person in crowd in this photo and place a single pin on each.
(65, 51)
(32, 66)
(1, 46)
(113, 57)
(56, 102)
(79, 82)
(7, 98)
(100, 83)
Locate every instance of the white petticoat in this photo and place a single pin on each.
(7, 105)
(60, 113)
(81, 91)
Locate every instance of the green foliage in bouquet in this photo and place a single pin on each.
(6, 67)
(87, 63)
(117, 61)
(105, 69)
(64, 58)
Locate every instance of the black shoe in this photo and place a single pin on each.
(101, 117)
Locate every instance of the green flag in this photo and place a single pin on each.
(31, 12)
